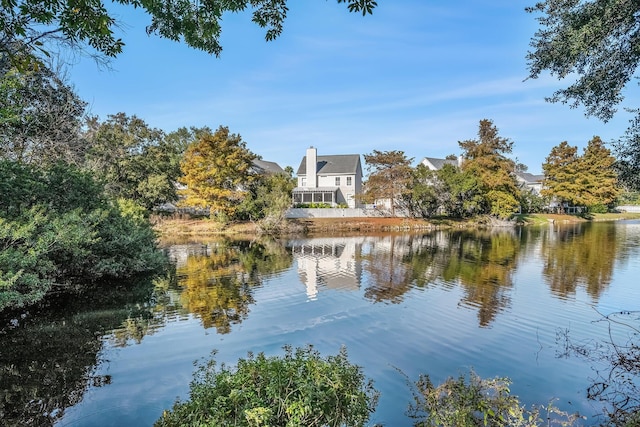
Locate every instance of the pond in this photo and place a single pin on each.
(500, 303)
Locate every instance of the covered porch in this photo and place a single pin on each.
(305, 195)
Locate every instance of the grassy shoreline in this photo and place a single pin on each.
(312, 226)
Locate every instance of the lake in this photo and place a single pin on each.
(500, 303)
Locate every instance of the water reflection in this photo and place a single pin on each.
(580, 255)
(48, 356)
(481, 262)
(216, 280)
(328, 263)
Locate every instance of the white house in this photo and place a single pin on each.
(530, 181)
(334, 180)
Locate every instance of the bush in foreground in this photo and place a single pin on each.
(59, 232)
(478, 402)
(299, 389)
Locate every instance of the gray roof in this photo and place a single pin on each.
(267, 167)
(439, 163)
(333, 165)
(529, 177)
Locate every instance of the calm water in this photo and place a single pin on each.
(440, 303)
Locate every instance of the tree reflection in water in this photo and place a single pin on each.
(217, 285)
(580, 255)
(481, 262)
(49, 354)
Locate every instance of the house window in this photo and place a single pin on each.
(348, 181)
(303, 182)
(337, 181)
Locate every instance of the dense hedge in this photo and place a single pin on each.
(57, 231)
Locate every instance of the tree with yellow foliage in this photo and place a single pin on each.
(216, 169)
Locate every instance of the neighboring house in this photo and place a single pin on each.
(432, 164)
(264, 167)
(530, 181)
(437, 164)
(334, 180)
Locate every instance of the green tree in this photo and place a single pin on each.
(216, 171)
(530, 201)
(593, 40)
(560, 175)
(598, 174)
(29, 27)
(389, 176)
(587, 180)
(267, 200)
(421, 200)
(182, 137)
(460, 192)
(40, 118)
(134, 161)
(627, 151)
(485, 159)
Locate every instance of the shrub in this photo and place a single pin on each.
(598, 209)
(59, 230)
(477, 402)
(300, 389)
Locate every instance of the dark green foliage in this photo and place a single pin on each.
(594, 41)
(133, 160)
(57, 229)
(627, 150)
(448, 191)
(267, 200)
(531, 202)
(460, 192)
(40, 117)
(422, 200)
(299, 389)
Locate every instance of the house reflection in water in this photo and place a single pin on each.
(329, 263)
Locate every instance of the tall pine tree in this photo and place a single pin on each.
(485, 159)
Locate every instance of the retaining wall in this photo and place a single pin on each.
(336, 213)
(628, 208)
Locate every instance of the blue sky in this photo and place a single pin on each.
(416, 76)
